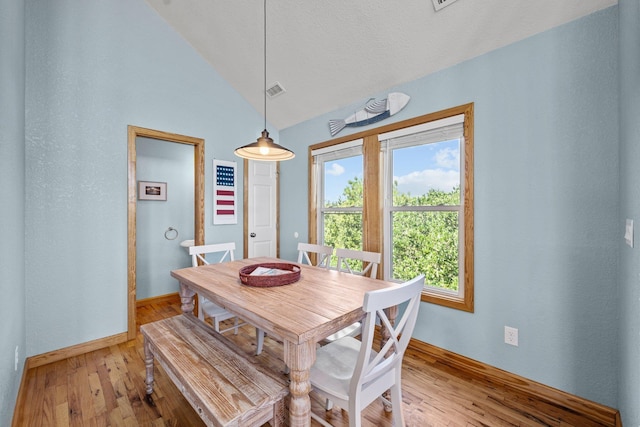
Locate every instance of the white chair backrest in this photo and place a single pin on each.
(200, 252)
(363, 269)
(323, 254)
(370, 377)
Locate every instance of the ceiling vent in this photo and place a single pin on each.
(439, 4)
(275, 90)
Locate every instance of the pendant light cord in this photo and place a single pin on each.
(264, 148)
(265, 64)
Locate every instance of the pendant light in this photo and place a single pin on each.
(264, 148)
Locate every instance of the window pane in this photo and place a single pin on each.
(343, 182)
(343, 230)
(427, 175)
(426, 242)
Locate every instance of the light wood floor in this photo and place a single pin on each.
(106, 388)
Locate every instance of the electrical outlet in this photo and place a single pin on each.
(15, 364)
(511, 336)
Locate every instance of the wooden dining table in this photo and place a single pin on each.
(300, 314)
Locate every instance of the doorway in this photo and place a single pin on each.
(198, 155)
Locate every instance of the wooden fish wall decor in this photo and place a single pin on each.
(373, 111)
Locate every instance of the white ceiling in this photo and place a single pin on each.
(328, 54)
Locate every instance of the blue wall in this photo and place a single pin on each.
(547, 228)
(12, 224)
(157, 254)
(94, 67)
(629, 296)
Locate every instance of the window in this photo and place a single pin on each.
(405, 190)
(340, 195)
(422, 204)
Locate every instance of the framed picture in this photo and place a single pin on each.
(148, 190)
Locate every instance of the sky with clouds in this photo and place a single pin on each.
(416, 169)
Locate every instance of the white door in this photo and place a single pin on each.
(262, 208)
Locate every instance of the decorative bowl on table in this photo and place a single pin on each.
(269, 274)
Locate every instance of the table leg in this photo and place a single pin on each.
(186, 297)
(299, 358)
(391, 312)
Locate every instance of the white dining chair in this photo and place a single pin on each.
(363, 263)
(346, 258)
(352, 374)
(323, 254)
(206, 308)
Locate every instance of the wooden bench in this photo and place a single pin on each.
(221, 382)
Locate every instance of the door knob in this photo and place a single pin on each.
(252, 235)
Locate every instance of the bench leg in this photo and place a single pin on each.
(148, 363)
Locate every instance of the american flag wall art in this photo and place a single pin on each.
(225, 200)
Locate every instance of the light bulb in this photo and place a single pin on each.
(264, 150)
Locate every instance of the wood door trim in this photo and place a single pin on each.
(198, 145)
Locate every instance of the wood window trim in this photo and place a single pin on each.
(372, 204)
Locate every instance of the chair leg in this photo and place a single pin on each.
(260, 340)
(216, 324)
(355, 412)
(320, 420)
(328, 405)
(235, 329)
(396, 401)
(200, 312)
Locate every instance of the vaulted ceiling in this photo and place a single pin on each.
(328, 54)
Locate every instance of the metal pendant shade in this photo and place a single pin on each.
(264, 148)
